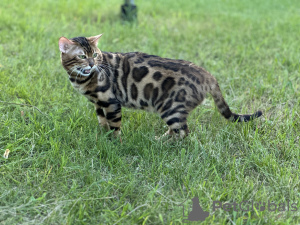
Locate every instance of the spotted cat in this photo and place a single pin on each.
(172, 88)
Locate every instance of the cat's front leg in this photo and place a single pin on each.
(113, 116)
(101, 117)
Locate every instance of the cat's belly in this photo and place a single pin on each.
(144, 106)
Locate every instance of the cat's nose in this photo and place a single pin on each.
(91, 62)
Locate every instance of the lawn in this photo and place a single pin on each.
(63, 169)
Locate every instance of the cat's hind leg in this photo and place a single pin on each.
(178, 127)
(176, 119)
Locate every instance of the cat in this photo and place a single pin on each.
(172, 88)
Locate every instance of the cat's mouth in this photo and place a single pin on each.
(84, 71)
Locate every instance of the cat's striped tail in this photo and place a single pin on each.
(225, 110)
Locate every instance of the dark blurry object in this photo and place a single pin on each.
(129, 11)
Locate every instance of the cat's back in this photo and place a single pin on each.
(139, 63)
(154, 60)
(144, 59)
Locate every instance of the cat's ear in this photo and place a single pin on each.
(95, 39)
(65, 44)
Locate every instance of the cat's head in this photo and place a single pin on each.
(80, 56)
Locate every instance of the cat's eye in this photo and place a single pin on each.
(95, 55)
(82, 56)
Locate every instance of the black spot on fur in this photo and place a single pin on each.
(163, 97)
(148, 90)
(104, 59)
(186, 69)
(134, 92)
(157, 75)
(180, 97)
(201, 96)
(143, 103)
(130, 55)
(167, 84)
(154, 96)
(114, 128)
(109, 55)
(176, 131)
(167, 105)
(139, 60)
(173, 111)
(117, 119)
(173, 120)
(184, 127)
(126, 70)
(195, 91)
(94, 95)
(108, 103)
(103, 104)
(190, 71)
(150, 56)
(112, 115)
(100, 112)
(116, 74)
(181, 81)
(117, 90)
(172, 94)
(117, 62)
(166, 65)
(159, 106)
(139, 73)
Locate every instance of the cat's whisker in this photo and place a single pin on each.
(107, 67)
(71, 69)
(78, 73)
(105, 64)
(102, 70)
(106, 73)
(75, 68)
(81, 72)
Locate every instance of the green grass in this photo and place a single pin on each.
(63, 169)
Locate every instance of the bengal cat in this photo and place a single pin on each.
(172, 88)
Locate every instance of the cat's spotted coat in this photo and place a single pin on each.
(169, 87)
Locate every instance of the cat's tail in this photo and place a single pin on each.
(225, 110)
